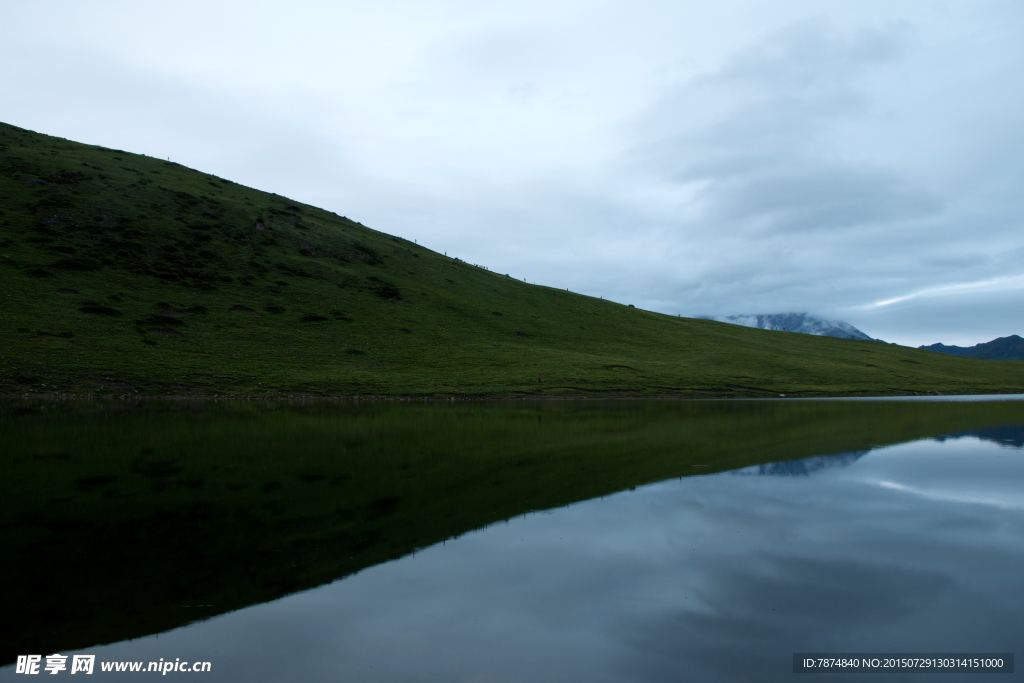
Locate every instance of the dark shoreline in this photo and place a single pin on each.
(291, 398)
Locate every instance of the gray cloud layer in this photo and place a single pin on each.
(859, 161)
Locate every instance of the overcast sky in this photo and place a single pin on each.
(861, 161)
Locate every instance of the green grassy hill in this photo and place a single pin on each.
(125, 274)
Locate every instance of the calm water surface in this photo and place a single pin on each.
(912, 545)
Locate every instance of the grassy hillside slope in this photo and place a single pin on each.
(126, 274)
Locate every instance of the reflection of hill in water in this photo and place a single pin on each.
(1010, 435)
(803, 467)
(165, 513)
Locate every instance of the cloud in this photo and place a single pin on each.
(756, 138)
(790, 195)
(992, 284)
(963, 319)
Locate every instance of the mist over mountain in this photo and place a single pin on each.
(803, 323)
(1003, 348)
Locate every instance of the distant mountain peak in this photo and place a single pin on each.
(1003, 348)
(804, 323)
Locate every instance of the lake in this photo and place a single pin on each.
(511, 541)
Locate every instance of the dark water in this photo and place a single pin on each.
(703, 541)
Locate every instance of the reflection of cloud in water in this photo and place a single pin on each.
(757, 618)
(1009, 435)
(804, 467)
(950, 497)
